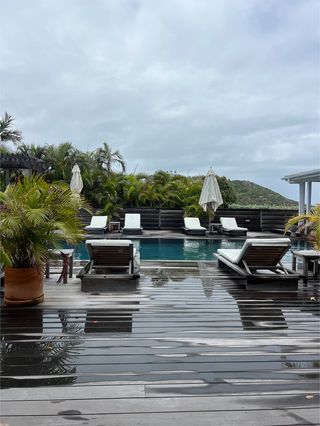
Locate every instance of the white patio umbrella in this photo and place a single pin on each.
(76, 183)
(210, 198)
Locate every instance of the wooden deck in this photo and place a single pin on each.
(187, 346)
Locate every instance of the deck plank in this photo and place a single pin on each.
(94, 404)
(301, 417)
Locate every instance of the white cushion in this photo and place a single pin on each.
(97, 222)
(268, 241)
(230, 224)
(238, 228)
(235, 255)
(132, 221)
(109, 243)
(230, 254)
(192, 223)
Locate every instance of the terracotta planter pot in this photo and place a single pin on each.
(23, 286)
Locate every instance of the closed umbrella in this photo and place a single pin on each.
(76, 183)
(210, 198)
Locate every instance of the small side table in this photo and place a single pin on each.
(306, 256)
(215, 227)
(67, 264)
(114, 227)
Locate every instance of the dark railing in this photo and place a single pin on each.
(172, 219)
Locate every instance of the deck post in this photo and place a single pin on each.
(309, 195)
(302, 191)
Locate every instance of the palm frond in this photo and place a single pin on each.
(309, 223)
(34, 217)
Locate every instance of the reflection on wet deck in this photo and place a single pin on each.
(187, 330)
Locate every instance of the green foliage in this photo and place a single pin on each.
(34, 217)
(251, 195)
(7, 134)
(309, 222)
(33, 150)
(106, 159)
(111, 196)
(228, 193)
(194, 210)
(110, 191)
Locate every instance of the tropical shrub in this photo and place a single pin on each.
(36, 216)
(110, 191)
(309, 222)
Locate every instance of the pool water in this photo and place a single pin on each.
(180, 249)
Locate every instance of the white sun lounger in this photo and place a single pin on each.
(192, 226)
(259, 260)
(230, 227)
(132, 224)
(98, 224)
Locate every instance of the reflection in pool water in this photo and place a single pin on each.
(180, 249)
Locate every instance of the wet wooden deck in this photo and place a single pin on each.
(188, 346)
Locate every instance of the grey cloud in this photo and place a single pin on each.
(178, 84)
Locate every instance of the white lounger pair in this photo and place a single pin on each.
(192, 226)
(98, 224)
(132, 224)
(230, 227)
(259, 260)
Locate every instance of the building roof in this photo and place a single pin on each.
(309, 176)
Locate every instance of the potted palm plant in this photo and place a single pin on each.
(309, 222)
(35, 216)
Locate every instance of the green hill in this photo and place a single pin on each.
(250, 194)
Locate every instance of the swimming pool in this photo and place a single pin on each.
(179, 249)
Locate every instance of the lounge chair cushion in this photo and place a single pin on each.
(97, 222)
(235, 255)
(132, 221)
(109, 243)
(193, 223)
(230, 254)
(230, 223)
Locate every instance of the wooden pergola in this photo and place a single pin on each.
(304, 180)
(27, 163)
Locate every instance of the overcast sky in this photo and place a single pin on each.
(178, 85)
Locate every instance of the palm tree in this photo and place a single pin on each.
(309, 222)
(62, 157)
(132, 189)
(107, 158)
(6, 133)
(33, 150)
(36, 216)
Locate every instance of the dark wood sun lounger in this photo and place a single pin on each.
(113, 264)
(259, 261)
